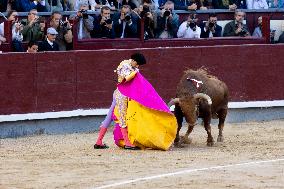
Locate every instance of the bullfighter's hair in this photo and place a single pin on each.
(139, 58)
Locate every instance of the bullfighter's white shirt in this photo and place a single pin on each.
(187, 32)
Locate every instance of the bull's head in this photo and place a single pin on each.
(190, 105)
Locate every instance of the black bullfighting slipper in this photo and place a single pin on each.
(104, 146)
(131, 148)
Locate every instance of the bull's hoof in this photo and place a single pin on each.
(210, 144)
(220, 139)
(185, 140)
(178, 145)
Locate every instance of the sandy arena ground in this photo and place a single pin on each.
(69, 161)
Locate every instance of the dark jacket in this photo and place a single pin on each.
(218, 31)
(130, 31)
(32, 33)
(100, 30)
(230, 29)
(218, 4)
(45, 46)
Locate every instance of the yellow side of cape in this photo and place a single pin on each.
(148, 128)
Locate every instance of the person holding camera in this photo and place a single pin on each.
(236, 27)
(85, 22)
(125, 23)
(211, 28)
(167, 22)
(103, 25)
(33, 29)
(189, 28)
(64, 37)
(17, 28)
(149, 26)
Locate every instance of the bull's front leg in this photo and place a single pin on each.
(207, 127)
(185, 138)
(179, 116)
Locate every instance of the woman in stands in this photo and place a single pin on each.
(145, 120)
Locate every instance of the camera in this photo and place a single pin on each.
(108, 21)
(145, 11)
(211, 24)
(84, 13)
(64, 24)
(127, 17)
(243, 32)
(192, 25)
(167, 12)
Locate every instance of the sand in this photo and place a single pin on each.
(69, 161)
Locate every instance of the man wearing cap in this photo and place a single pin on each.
(49, 43)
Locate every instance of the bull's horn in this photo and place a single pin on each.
(204, 96)
(173, 101)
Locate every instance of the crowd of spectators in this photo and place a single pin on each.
(120, 19)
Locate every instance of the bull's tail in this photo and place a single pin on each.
(173, 102)
(204, 96)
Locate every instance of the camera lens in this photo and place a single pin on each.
(211, 25)
(167, 13)
(127, 17)
(108, 21)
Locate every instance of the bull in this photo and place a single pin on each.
(200, 95)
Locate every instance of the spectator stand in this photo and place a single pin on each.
(224, 16)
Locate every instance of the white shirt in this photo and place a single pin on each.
(257, 4)
(49, 42)
(187, 32)
(15, 35)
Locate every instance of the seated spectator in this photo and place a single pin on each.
(7, 5)
(256, 4)
(32, 47)
(130, 3)
(258, 31)
(149, 25)
(17, 28)
(103, 25)
(236, 27)
(229, 4)
(49, 43)
(64, 38)
(210, 28)
(33, 29)
(53, 5)
(184, 5)
(85, 22)
(2, 39)
(167, 22)
(281, 38)
(125, 23)
(276, 4)
(189, 28)
(101, 3)
(89, 4)
(27, 5)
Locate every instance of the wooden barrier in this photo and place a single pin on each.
(57, 81)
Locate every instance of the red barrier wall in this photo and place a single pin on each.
(56, 81)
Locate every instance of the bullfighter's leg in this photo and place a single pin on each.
(207, 121)
(222, 116)
(179, 117)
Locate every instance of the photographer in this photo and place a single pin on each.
(211, 28)
(85, 22)
(189, 28)
(17, 28)
(149, 25)
(125, 23)
(103, 25)
(236, 27)
(33, 29)
(64, 37)
(167, 22)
